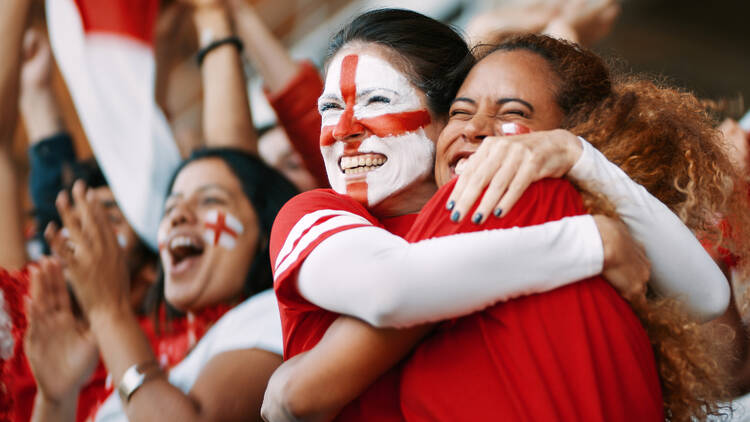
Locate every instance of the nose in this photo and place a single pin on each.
(348, 127)
(479, 127)
(181, 213)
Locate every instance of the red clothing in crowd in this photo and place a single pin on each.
(575, 353)
(303, 323)
(171, 346)
(296, 107)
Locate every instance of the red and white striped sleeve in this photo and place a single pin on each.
(305, 221)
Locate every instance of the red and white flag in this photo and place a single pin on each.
(105, 51)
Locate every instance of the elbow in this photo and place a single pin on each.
(289, 402)
(714, 302)
(385, 309)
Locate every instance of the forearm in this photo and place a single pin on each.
(13, 15)
(122, 345)
(51, 411)
(680, 267)
(12, 250)
(41, 114)
(227, 121)
(388, 282)
(268, 55)
(317, 384)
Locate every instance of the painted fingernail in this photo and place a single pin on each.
(449, 206)
(455, 216)
(476, 218)
(498, 212)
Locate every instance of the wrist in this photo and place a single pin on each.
(102, 318)
(41, 116)
(212, 22)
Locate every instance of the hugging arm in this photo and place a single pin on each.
(680, 266)
(395, 280)
(317, 384)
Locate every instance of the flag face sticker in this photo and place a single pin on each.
(372, 136)
(514, 129)
(222, 229)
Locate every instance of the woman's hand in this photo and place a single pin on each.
(506, 166)
(60, 348)
(94, 260)
(626, 266)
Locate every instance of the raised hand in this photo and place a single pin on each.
(94, 261)
(60, 348)
(506, 166)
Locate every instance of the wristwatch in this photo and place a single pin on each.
(135, 376)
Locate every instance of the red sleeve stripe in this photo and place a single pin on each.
(308, 228)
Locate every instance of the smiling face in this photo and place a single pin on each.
(377, 133)
(505, 87)
(206, 237)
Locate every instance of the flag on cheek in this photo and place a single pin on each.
(105, 52)
(222, 229)
(514, 129)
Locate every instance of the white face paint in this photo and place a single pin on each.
(372, 137)
(222, 229)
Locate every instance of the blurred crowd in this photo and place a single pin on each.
(433, 224)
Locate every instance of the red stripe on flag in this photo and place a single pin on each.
(129, 18)
(357, 191)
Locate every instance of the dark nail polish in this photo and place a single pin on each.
(449, 206)
(455, 216)
(477, 218)
(498, 212)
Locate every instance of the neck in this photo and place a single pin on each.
(407, 201)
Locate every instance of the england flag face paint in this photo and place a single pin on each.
(222, 229)
(373, 136)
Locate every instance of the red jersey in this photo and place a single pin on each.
(577, 353)
(304, 222)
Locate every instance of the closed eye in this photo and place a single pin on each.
(328, 106)
(211, 200)
(378, 99)
(458, 112)
(516, 112)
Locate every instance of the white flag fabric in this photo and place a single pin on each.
(105, 53)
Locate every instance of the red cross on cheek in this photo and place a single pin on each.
(220, 227)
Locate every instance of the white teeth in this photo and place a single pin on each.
(179, 241)
(460, 165)
(361, 163)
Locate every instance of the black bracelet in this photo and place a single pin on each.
(234, 40)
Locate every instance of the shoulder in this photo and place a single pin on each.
(309, 218)
(254, 323)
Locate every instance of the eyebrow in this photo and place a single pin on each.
(463, 99)
(202, 189)
(109, 203)
(502, 101)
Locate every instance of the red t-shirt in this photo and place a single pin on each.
(577, 353)
(304, 222)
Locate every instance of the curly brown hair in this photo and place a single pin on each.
(663, 139)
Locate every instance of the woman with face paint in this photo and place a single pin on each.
(219, 212)
(333, 255)
(213, 247)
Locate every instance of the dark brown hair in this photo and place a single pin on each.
(433, 52)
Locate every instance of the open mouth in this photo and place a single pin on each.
(458, 164)
(361, 163)
(184, 250)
